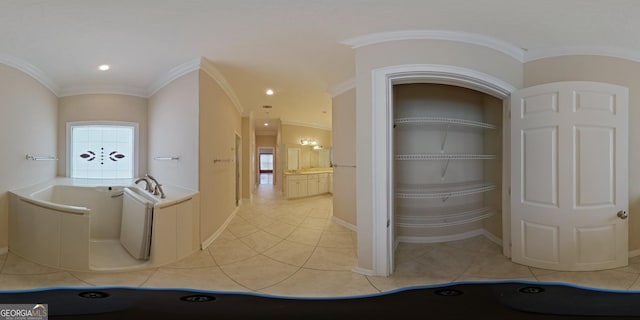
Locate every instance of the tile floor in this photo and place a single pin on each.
(292, 248)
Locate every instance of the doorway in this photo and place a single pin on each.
(266, 165)
(382, 156)
(238, 146)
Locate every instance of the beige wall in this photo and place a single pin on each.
(28, 114)
(266, 141)
(292, 134)
(344, 155)
(173, 131)
(405, 52)
(102, 107)
(602, 69)
(220, 121)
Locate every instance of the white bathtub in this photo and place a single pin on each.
(75, 225)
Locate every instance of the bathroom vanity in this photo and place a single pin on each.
(310, 182)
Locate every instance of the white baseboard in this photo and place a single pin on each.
(205, 244)
(634, 253)
(451, 237)
(363, 271)
(345, 224)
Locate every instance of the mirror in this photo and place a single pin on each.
(310, 158)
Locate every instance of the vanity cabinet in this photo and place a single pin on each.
(323, 183)
(296, 186)
(306, 184)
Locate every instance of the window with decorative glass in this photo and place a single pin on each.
(102, 150)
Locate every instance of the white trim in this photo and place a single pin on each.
(634, 253)
(382, 158)
(492, 238)
(447, 238)
(363, 271)
(31, 70)
(343, 87)
(213, 72)
(621, 53)
(206, 243)
(457, 36)
(173, 74)
(4, 250)
(452, 237)
(345, 224)
(304, 124)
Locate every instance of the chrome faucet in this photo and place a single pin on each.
(147, 183)
(157, 189)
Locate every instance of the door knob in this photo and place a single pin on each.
(622, 214)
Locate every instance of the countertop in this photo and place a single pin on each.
(308, 171)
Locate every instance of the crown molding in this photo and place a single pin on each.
(208, 67)
(173, 74)
(31, 70)
(304, 124)
(466, 37)
(621, 53)
(343, 87)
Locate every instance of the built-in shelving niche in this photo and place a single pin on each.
(447, 162)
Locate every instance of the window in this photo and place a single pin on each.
(102, 150)
(266, 162)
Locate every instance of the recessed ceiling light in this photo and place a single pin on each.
(104, 67)
(266, 124)
(269, 92)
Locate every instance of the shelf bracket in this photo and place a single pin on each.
(444, 138)
(444, 170)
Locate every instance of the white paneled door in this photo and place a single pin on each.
(569, 181)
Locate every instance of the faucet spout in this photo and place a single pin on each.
(157, 189)
(147, 183)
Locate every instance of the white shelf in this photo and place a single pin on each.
(441, 217)
(445, 156)
(444, 121)
(443, 191)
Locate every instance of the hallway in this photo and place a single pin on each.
(292, 248)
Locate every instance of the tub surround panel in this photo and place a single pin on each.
(44, 234)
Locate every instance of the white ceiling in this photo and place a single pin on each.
(296, 47)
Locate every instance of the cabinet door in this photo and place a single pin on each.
(163, 245)
(303, 190)
(313, 187)
(569, 178)
(184, 227)
(323, 183)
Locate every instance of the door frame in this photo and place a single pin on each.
(384, 78)
(238, 167)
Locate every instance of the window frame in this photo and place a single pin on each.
(136, 142)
